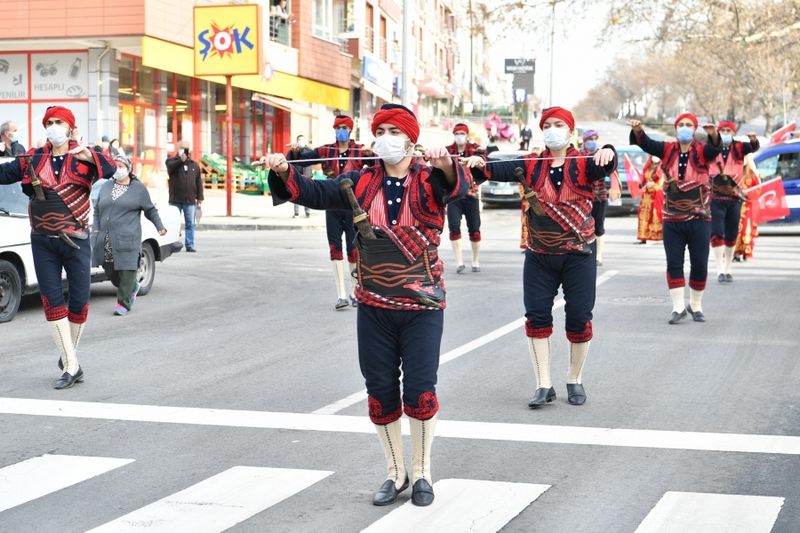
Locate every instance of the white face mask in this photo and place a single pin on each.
(57, 134)
(121, 174)
(461, 139)
(390, 148)
(556, 138)
(302, 144)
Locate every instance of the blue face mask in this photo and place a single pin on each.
(342, 135)
(591, 145)
(685, 134)
(727, 139)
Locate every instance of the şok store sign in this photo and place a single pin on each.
(226, 40)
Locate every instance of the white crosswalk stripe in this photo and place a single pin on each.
(462, 505)
(217, 503)
(40, 476)
(696, 512)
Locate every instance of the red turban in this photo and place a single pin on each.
(682, 116)
(399, 116)
(558, 112)
(343, 120)
(461, 128)
(727, 124)
(57, 111)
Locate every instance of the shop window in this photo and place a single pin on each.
(126, 79)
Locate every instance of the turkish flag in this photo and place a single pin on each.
(783, 134)
(767, 201)
(633, 177)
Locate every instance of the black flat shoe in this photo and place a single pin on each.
(697, 316)
(460, 269)
(728, 278)
(67, 380)
(353, 302)
(388, 492)
(341, 303)
(721, 278)
(476, 269)
(422, 493)
(542, 396)
(575, 394)
(677, 317)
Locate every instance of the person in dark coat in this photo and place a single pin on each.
(185, 188)
(117, 231)
(9, 145)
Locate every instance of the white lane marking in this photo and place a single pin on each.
(456, 429)
(462, 505)
(455, 353)
(217, 503)
(39, 476)
(697, 512)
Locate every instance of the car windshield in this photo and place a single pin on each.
(785, 166)
(13, 200)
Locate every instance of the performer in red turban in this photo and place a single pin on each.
(727, 180)
(400, 289)
(344, 156)
(687, 215)
(560, 248)
(469, 206)
(59, 215)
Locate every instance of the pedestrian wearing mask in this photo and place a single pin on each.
(400, 292)
(59, 214)
(117, 231)
(727, 179)
(560, 248)
(687, 210)
(9, 146)
(185, 188)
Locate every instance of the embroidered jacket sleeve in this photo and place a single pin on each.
(711, 150)
(595, 172)
(306, 153)
(316, 194)
(443, 192)
(750, 147)
(10, 172)
(647, 144)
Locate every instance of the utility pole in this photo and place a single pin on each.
(405, 94)
(471, 61)
(552, 41)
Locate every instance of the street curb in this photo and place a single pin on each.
(255, 227)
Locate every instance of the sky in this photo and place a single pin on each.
(580, 61)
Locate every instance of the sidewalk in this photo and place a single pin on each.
(254, 213)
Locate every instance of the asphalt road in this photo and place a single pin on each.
(237, 359)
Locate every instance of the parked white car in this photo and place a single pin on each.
(17, 274)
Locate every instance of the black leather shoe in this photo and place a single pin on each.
(388, 492)
(341, 303)
(575, 394)
(677, 317)
(721, 278)
(476, 269)
(422, 493)
(460, 269)
(67, 380)
(542, 396)
(697, 316)
(728, 278)
(353, 302)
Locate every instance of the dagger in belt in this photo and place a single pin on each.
(38, 192)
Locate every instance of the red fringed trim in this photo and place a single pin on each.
(537, 333)
(674, 283)
(53, 313)
(377, 415)
(730, 243)
(352, 256)
(336, 255)
(582, 336)
(716, 241)
(79, 318)
(427, 406)
(454, 236)
(698, 285)
(475, 237)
